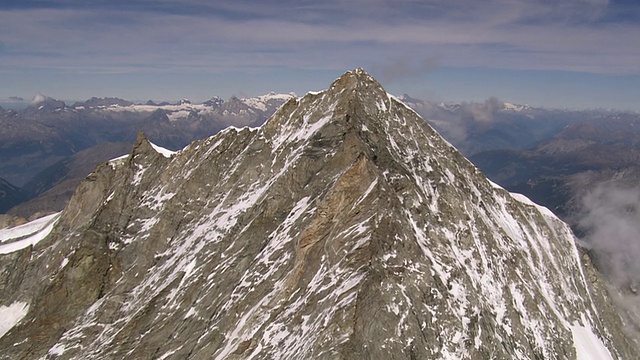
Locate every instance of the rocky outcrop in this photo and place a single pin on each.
(345, 227)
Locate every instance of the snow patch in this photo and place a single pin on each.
(25, 229)
(177, 115)
(28, 234)
(162, 151)
(260, 102)
(11, 315)
(167, 354)
(525, 200)
(514, 107)
(57, 350)
(117, 162)
(588, 345)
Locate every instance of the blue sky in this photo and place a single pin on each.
(555, 53)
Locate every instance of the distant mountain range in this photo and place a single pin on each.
(551, 155)
(39, 143)
(494, 124)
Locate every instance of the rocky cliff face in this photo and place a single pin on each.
(343, 228)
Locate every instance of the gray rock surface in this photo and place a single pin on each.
(343, 228)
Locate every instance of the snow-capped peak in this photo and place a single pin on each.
(514, 107)
(262, 102)
(44, 102)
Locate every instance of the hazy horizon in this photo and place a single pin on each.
(570, 54)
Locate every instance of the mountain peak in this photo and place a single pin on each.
(354, 104)
(355, 79)
(143, 147)
(41, 102)
(103, 102)
(345, 227)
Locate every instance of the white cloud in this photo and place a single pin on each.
(611, 218)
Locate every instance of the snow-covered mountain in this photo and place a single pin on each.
(45, 103)
(268, 101)
(184, 108)
(345, 227)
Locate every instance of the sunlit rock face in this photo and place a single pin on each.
(343, 228)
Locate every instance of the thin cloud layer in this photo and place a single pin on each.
(567, 35)
(145, 36)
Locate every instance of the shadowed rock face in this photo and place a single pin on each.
(344, 227)
(10, 195)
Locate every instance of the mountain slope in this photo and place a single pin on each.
(345, 227)
(50, 190)
(10, 195)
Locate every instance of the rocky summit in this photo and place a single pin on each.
(343, 228)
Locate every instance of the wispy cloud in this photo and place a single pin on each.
(403, 68)
(569, 35)
(398, 40)
(611, 219)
